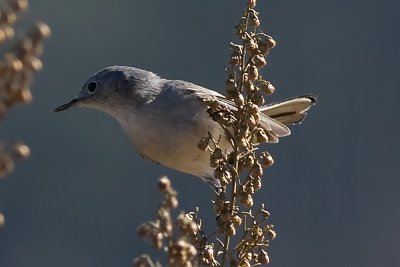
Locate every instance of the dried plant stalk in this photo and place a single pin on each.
(17, 69)
(243, 233)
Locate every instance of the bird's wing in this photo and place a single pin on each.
(290, 111)
(273, 127)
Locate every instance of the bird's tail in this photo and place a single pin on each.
(290, 111)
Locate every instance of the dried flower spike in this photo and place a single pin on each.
(237, 169)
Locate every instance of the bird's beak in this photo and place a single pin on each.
(67, 105)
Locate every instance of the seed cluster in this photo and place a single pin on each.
(240, 171)
(17, 69)
(175, 237)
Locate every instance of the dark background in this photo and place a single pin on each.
(333, 192)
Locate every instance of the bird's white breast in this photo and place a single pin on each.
(165, 139)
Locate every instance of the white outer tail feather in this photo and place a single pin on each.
(290, 111)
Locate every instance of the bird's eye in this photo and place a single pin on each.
(92, 86)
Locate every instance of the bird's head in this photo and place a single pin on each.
(115, 86)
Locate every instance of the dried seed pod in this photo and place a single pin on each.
(242, 142)
(254, 21)
(246, 200)
(37, 50)
(23, 95)
(253, 73)
(166, 227)
(255, 258)
(186, 225)
(259, 99)
(248, 256)
(236, 220)
(239, 30)
(266, 159)
(18, 5)
(208, 252)
(156, 240)
(230, 85)
(265, 45)
(21, 151)
(218, 207)
(257, 232)
(243, 132)
(271, 234)
(6, 33)
(225, 217)
(257, 183)
(191, 251)
(267, 87)
(270, 42)
(15, 65)
(214, 163)
(249, 161)
(203, 143)
(253, 109)
(230, 229)
(235, 60)
(223, 175)
(251, 3)
(34, 64)
(263, 257)
(249, 189)
(164, 184)
(143, 230)
(251, 45)
(171, 202)
(207, 256)
(7, 17)
(239, 100)
(41, 31)
(257, 170)
(259, 61)
(218, 154)
(249, 86)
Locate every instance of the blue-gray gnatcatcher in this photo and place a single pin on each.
(165, 119)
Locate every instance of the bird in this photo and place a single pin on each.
(165, 119)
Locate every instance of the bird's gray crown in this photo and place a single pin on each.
(119, 85)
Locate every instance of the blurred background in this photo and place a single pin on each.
(334, 192)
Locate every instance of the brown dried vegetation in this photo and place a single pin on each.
(17, 69)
